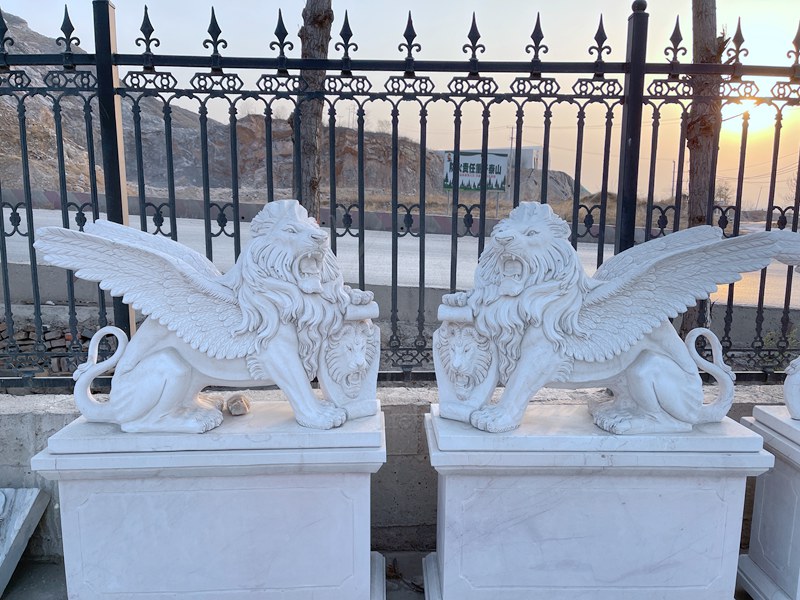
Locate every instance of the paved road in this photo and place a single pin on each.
(378, 251)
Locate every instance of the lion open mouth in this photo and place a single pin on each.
(513, 267)
(352, 383)
(308, 270)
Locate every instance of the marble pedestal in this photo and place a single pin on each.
(559, 509)
(257, 508)
(771, 568)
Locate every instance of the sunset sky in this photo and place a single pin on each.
(768, 26)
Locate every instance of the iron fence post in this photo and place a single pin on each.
(631, 137)
(110, 119)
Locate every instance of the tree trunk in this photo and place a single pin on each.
(315, 34)
(704, 119)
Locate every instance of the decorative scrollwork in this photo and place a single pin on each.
(281, 33)
(724, 220)
(671, 88)
(140, 80)
(80, 212)
(597, 87)
(785, 216)
(226, 82)
(346, 45)
(347, 84)
(786, 90)
(588, 220)
(407, 226)
(600, 47)
(67, 28)
(221, 219)
(14, 218)
(214, 31)
(662, 222)
(349, 224)
(409, 358)
(5, 40)
(158, 217)
(409, 85)
(537, 47)
(738, 88)
(410, 35)
(14, 80)
(474, 37)
(525, 86)
(147, 40)
(676, 50)
(468, 220)
(737, 52)
(79, 80)
(473, 47)
(276, 84)
(795, 54)
(472, 85)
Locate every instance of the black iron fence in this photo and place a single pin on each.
(163, 112)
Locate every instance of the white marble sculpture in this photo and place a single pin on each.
(791, 388)
(535, 319)
(281, 315)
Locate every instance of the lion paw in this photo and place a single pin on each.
(613, 423)
(359, 297)
(325, 416)
(455, 299)
(493, 419)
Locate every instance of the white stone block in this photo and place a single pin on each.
(20, 511)
(280, 512)
(559, 509)
(771, 568)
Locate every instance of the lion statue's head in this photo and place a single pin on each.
(529, 275)
(465, 355)
(290, 246)
(349, 355)
(288, 274)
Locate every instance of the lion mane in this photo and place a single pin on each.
(270, 289)
(528, 276)
(454, 338)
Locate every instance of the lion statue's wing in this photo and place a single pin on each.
(632, 297)
(165, 286)
(123, 233)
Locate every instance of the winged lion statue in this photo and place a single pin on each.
(534, 318)
(281, 315)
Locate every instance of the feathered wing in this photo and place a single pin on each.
(122, 233)
(162, 285)
(637, 293)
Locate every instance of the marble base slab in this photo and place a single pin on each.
(771, 568)
(564, 511)
(172, 518)
(20, 511)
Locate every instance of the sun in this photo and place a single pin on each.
(760, 117)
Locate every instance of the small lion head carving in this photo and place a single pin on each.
(528, 276)
(465, 356)
(350, 353)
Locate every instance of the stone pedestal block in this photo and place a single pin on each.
(559, 509)
(771, 568)
(259, 507)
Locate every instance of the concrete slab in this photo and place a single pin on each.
(20, 511)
